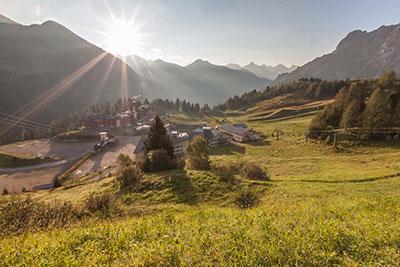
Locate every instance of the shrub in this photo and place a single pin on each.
(101, 202)
(124, 160)
(246, 198)
(197, 154)
(128, 175)
(180, 163)
(157, 160)
(253, 171)
(245, 169)
(5, 191)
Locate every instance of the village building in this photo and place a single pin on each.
(239, 132)
(213, 137)
(125, 119)
(139, 146)
(141, 130)
(180, 141)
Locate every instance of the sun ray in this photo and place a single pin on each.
(54, 92)
(103, 80)
(124, 81)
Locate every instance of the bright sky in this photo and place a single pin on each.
(220, 31)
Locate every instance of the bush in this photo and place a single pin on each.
(128, 175)
(19, 215)
(124, 160)
(253, 171)
(5, 191)
(101, 202)
(157, 160)
(246, 198)
(245, 169)
(197, 154)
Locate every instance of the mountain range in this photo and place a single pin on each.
(360, 54)
(263, 71)
(47, 72)
(199, 81)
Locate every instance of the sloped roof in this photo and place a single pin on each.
(233, 129)
(240, 125)
(140, 144)
(179, 139)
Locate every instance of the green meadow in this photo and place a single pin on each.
(323, 206)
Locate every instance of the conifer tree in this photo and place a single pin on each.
(352, 114)
(158, 138)
(377, 113)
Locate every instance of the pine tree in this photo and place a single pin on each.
(388, 81)
(158, 138)
(352, 115)
(377, 113)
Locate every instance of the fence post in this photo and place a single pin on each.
(334, 139)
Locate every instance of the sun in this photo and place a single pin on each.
(123, 37)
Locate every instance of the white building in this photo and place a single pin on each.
(239, 132)
(180, 141)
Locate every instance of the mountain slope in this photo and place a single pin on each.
(200, 81)
(4, 19)
(360, 54)
(47, 71)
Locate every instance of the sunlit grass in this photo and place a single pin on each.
(324, 206)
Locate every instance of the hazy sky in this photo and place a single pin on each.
(220, 31)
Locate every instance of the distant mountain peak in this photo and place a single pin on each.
(265, 71)
(5, 20)
(359, 55)
(199, 62)
(234, 66)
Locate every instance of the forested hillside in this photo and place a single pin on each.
(308, 88)
(370, 104)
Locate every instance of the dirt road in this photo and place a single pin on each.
(41, 176)
(107, 158)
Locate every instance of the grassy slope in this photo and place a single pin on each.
(324, 206)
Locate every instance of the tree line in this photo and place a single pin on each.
(369, 104)
(181, 105)
(311, 88)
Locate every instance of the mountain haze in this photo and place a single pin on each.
(360, 54)
(199, 81)
(263, 71)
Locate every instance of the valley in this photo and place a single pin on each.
(137, 133)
